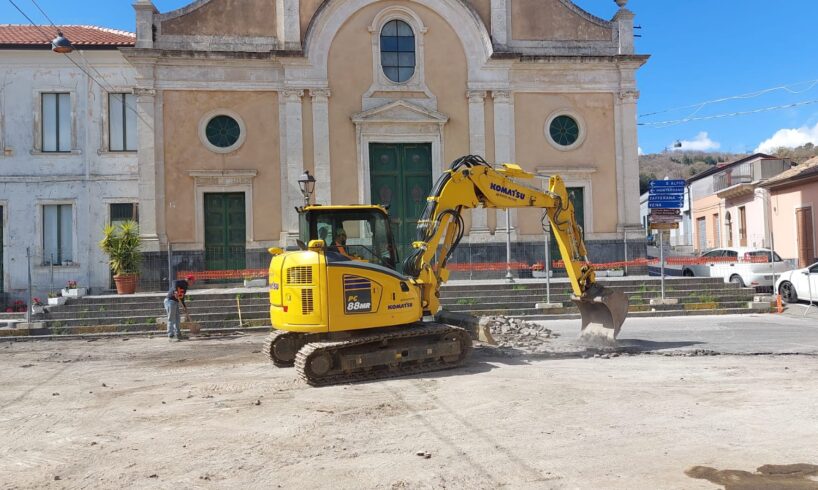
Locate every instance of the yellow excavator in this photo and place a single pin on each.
(344, 309)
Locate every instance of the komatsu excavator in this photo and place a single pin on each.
(342, 310)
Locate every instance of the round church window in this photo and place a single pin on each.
(565, 130)
(223, 131)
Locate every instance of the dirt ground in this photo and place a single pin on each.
(215, 414)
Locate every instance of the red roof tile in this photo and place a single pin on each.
(80, 36)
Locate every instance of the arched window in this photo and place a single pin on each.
(398, 51)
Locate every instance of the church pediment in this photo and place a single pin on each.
(401, 112)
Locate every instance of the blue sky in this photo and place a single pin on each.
(700, 50)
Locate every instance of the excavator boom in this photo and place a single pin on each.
(471, 183)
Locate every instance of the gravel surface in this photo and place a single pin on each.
(146, 413)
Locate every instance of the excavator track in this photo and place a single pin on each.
(281, 347)
(400, 351)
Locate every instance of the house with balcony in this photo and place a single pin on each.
(729, 207)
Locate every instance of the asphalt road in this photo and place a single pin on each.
(788, 333)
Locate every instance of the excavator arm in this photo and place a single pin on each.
(469, 183)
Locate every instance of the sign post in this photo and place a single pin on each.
(665, 199)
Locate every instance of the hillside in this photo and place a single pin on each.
(685, 164)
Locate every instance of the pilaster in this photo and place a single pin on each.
(499, 22)
(320, 142)
(627, 159)
(293, 159)
(624, 22)
(149, 172)
(288, 27)
(477, 146)
(145, 11)
(504, 140)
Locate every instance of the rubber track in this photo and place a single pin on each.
(407, 332)
(268, 347)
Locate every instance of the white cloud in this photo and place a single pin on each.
(789, 138)
(701, 142)
(639, 151)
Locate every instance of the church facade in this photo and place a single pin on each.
(237, 98)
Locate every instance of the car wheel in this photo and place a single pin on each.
(736, 279)
(787, 291)
(687, 273)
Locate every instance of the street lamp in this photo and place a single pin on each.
(307, 184)
(61, 44)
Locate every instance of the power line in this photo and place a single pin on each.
(750, 95)
(43, 12)
(674, 122)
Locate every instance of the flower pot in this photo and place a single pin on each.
(37, 310)
(259, 282)
(73, 293)
(59, 300)
(541, 274)
(126, 283)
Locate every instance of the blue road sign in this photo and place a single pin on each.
(665, 197)
(667, 183)
(667, 190)
(665, 204)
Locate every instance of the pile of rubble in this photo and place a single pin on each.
(515, 333)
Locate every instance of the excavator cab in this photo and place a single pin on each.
(360, 233)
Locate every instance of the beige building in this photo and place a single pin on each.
(793, 198)
(376, 98)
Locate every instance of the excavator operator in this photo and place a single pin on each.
(339, 244)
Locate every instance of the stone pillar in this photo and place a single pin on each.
(144, 23)
(293, 161)
(499, 23)
(477, 146)
(627, 165)
(624, 22)
(150, 174)
(288, 23)
(504, 139)
(320, 143)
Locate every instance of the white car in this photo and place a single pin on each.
(747, 267)
(797, 285)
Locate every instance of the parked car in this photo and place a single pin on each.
(739, 265)
(797, 284)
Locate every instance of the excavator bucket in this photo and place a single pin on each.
(603, 311)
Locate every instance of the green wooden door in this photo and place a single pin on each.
(401, 178)
(577, 197)
(224, 231)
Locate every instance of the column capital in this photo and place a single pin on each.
(144, 92)
(628, 96)
(293, 95)
(476, 96)
(501, 95)
(320, 94)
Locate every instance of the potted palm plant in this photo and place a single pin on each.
(121, 243)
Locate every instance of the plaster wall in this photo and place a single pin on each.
(785, 230)
(550, 20)
(483, 9)
(598, 150)
(184, 152)
(225, 18)
(306, 11)
(757, 235)
(88, 177)
(350, 76)
(706, 207)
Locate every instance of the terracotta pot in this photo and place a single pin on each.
(126, 283)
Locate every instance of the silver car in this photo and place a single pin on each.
(747, 267)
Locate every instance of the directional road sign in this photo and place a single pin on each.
(664, 204)
(664, 219)
(665, 197)
(671, 212)
(667, 183)
(664, 226)
(667, 190)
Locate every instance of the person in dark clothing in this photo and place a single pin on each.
(176, 297)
